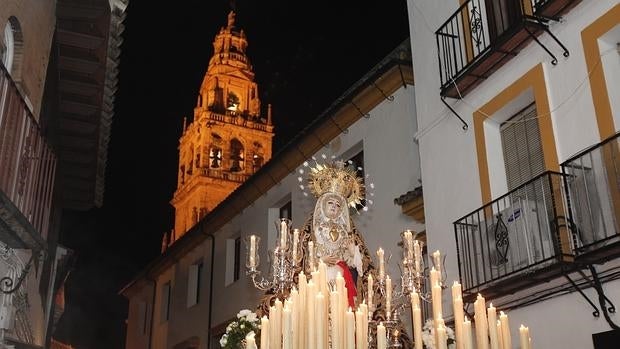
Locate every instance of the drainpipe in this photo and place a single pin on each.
(212, 238)
(152, 311)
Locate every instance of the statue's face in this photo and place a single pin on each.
(333, 207)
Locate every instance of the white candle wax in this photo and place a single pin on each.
(458, 321)
(417, 256)
(359, 328)
(277, 323)
(287, 328)
(482, 333)
(250, 341)
(492, 323)
(388, 296)
(505, 327)
(252, 251)
(370, 293)
(334, 303)
(524, 337)
(381, 336)
(350, 329)
(467, 335)
(380, 255)
(295, 243)
(321, 319)
(283, 233)
(417, 327)
(311, 255)
(264, 332)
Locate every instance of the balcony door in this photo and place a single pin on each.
(502, 15)
(522, 147)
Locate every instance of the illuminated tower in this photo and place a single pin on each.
(228, 139)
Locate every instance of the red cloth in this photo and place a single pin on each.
(349, 283)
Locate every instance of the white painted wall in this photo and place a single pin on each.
(448, 154)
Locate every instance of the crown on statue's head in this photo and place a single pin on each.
(339, 178)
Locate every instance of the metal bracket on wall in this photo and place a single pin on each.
(606, 305)
(8, 284)
(465, 126)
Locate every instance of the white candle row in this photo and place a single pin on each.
(302, 321)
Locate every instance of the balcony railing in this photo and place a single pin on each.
(552, 8)
(593, 186)
(521, 233)
(481, 36)
(27, 163)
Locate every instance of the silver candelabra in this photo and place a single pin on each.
(285, 259)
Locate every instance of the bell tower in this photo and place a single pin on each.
(228, 139)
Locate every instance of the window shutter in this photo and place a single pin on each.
(522, 147)
(192, 285)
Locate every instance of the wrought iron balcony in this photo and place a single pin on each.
(27, 167)
(516, 241)
(593, 186)
(482, 35)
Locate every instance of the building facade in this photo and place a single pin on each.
(57, 81)
(185, 298)
(518, 111)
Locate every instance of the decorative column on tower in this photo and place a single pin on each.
(228, 138)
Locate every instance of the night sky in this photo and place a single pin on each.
(305, 54)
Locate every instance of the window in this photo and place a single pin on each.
(236, 156)
(165, 301)
(522, 148)
(11, 45)
(194, 280)
(357, 162)
(286, 211)
(237, 266)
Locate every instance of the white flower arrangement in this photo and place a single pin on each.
(428, 335)
(247, 322)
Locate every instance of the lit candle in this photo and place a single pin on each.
(492, 322)
(500, 339)
(467, 337)
(364, 309)
(458, 321)
(264, 332)
(505, 327)
(250, 341)
(381, 336)
(380, 254)
(437, 306)
(434, 276)
(388, 296)
(350, 329)
(417, 327)
(480, 314)
(277, 323)
(311, 319)
(252, 251)
(359, 328)
(283, 233)
(370, 293)
(334, 303)
(524, 336)
(294, 297)
(442, 338)
(287, 328)
(295, 243)
(321, 320)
